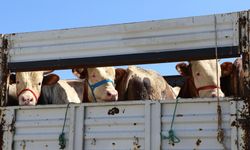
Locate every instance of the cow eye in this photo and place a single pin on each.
(198, 74)
(93, 76)
(17, 82)
(39, 83)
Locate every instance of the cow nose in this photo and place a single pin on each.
(112, 94)
(214, 95)
(27, 100)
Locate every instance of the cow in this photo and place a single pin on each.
(188, 89)
(60, 93)
(232, 78)
(32, 88)
(98, 84)
(202, 79)
(135, 83)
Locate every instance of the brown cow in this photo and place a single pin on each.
(188, 89)
(135, 83)
(232, 78)
(201, 79)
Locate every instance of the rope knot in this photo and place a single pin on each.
(220, 135)
(62, 141)
(171, 137)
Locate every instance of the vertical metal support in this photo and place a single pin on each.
(244, 46)
(7, 117)
(244, 26)
(72, 127)
(79, 137)
(234, 126)
(3, 70)
(147, 125)
(156, 125)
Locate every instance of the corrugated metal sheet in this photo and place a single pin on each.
(124, 125)
(196, 125)
(132, 38)
(39, 128)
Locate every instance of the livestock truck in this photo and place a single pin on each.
(185, 124)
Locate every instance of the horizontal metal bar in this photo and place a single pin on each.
(143, 58)
(156, 41)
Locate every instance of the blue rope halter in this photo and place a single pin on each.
(94, 86)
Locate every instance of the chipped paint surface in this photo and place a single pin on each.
(3, 68)
(244, 120)
(1, 129)
(39, 127)
(245, 126)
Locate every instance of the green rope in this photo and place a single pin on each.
(171, 136)
(62, 140)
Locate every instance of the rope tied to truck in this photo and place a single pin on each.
(62, 140)
(171, 135)
(220, 131)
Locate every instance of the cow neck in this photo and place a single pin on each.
(32, 92)
(85, 93)
(86, 90)
(86, 87)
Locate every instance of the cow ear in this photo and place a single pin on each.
(183, 69)
(50, 79)
(119, 73)
(80, 73)
(226, 68)
(12, 79)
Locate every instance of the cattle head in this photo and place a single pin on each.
(205, 77)
(100, 83)
(28, 85)
(188, 89)
(233, 75)
(226, 69)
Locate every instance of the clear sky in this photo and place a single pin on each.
(33, 15)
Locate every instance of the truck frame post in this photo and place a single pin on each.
(4, 70)
(244, 46)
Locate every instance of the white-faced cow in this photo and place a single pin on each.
(135, 83)
(28, 85)
(98, 84)
(36, 87)
(202, 79)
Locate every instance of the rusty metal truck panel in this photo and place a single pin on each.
(122, 125)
